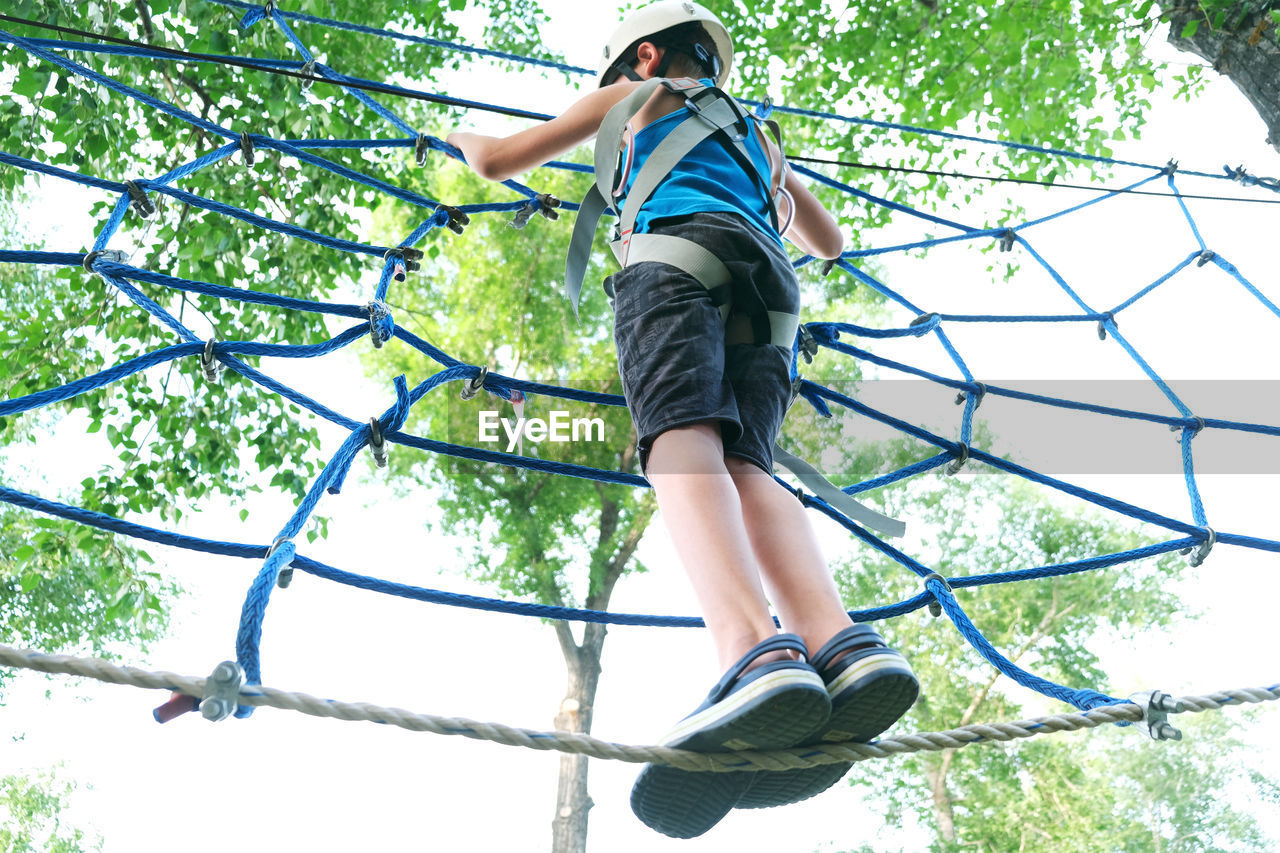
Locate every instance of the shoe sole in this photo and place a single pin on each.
(786, 707)
(879, 690)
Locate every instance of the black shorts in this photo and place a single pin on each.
(676, 369)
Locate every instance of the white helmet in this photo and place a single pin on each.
(655, 18)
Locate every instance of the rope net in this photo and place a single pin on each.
(375, 320)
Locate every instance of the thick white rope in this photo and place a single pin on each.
(102, 670)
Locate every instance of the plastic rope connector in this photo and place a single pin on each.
(138, 200)
(457, 219)
(408, 260)
(1156, 707)
(114, 255)
(1197, 555)
(308, 68)
(209, 362)
(953, 467)
(981, 392)
(541, 203)
(935, 608)
(377, 443)
(246, 148)
(473, 385)
(808, 347)
(222, 691)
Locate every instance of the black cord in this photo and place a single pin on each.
(441, 99)
(997, 179)
(226, 60)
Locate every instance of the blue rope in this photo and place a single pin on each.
(376, 320)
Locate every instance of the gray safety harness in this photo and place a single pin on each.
(712, 114)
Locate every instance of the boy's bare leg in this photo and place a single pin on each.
(700, 506)
(786, 550)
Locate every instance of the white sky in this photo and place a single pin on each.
(284, 780)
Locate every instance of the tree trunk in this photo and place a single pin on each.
(573, 803)
(1244, 48)
(942, 811)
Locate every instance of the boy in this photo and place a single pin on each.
(705, 364)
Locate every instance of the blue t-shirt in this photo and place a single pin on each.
(708, 178)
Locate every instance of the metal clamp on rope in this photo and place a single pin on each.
(1205, 257)
(1156, 708)
(1178, 428)
(964, 395)
(1102, 328)
(246, 147)
(954, 466)
(1007, 239)
(377, 443)
(309, 70)
(457, 219)
(421, 146)
(473, 385)
(114, 255)
(1195, 556)
(1170, 167)
(138, 200)
(922, 319)
(828, 266)
(209, 362)
(222, 691)
(935, 608)
(285, 577)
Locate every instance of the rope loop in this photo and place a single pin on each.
(935, 607)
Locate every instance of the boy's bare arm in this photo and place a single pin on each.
(497, 158)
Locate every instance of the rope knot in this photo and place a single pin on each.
(381, 325)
